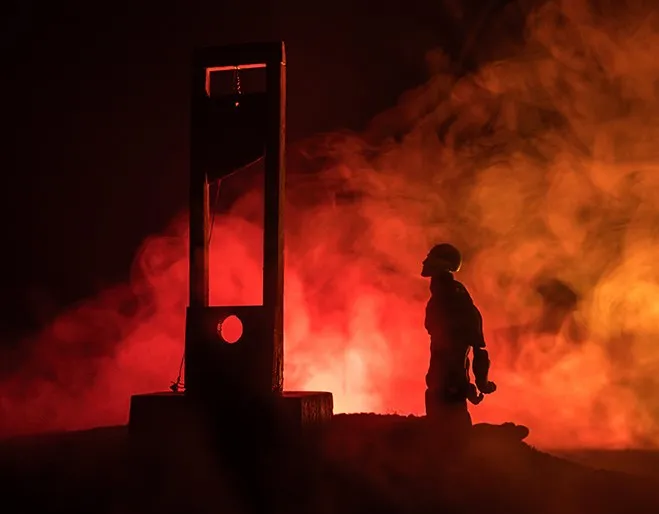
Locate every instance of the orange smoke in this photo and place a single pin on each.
(544, 168)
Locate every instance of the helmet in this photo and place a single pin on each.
(442, 257)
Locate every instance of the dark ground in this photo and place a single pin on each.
(361, 463)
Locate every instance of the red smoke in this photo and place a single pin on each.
(542, 168)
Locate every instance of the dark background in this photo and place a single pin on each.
(95, 111)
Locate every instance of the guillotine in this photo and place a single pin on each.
(228, 131)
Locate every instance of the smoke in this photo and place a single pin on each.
(543, 168)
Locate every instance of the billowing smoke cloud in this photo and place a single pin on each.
(543, 168)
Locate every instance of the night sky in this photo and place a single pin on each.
(95, 114)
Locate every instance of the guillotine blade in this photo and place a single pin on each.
(233, 131)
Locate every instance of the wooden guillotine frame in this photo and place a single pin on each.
(227, 132)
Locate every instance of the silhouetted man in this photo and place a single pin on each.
(455, 325)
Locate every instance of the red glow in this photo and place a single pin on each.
(545, 165)
(230, 329)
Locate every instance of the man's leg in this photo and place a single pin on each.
(453, 414)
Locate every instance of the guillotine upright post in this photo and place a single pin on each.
(210, 361)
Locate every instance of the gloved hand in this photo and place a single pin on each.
(487, 387)
(473, 395)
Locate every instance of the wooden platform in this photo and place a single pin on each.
(154, 413)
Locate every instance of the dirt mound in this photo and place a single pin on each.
(361, 463)
(408, 462)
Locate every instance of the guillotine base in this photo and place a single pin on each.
(155, 414)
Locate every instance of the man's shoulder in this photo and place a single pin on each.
(460, 287)
(449, 287)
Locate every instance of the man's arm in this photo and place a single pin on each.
(481, 364)
(481, 368)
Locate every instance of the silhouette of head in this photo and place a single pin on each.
(441, 258)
